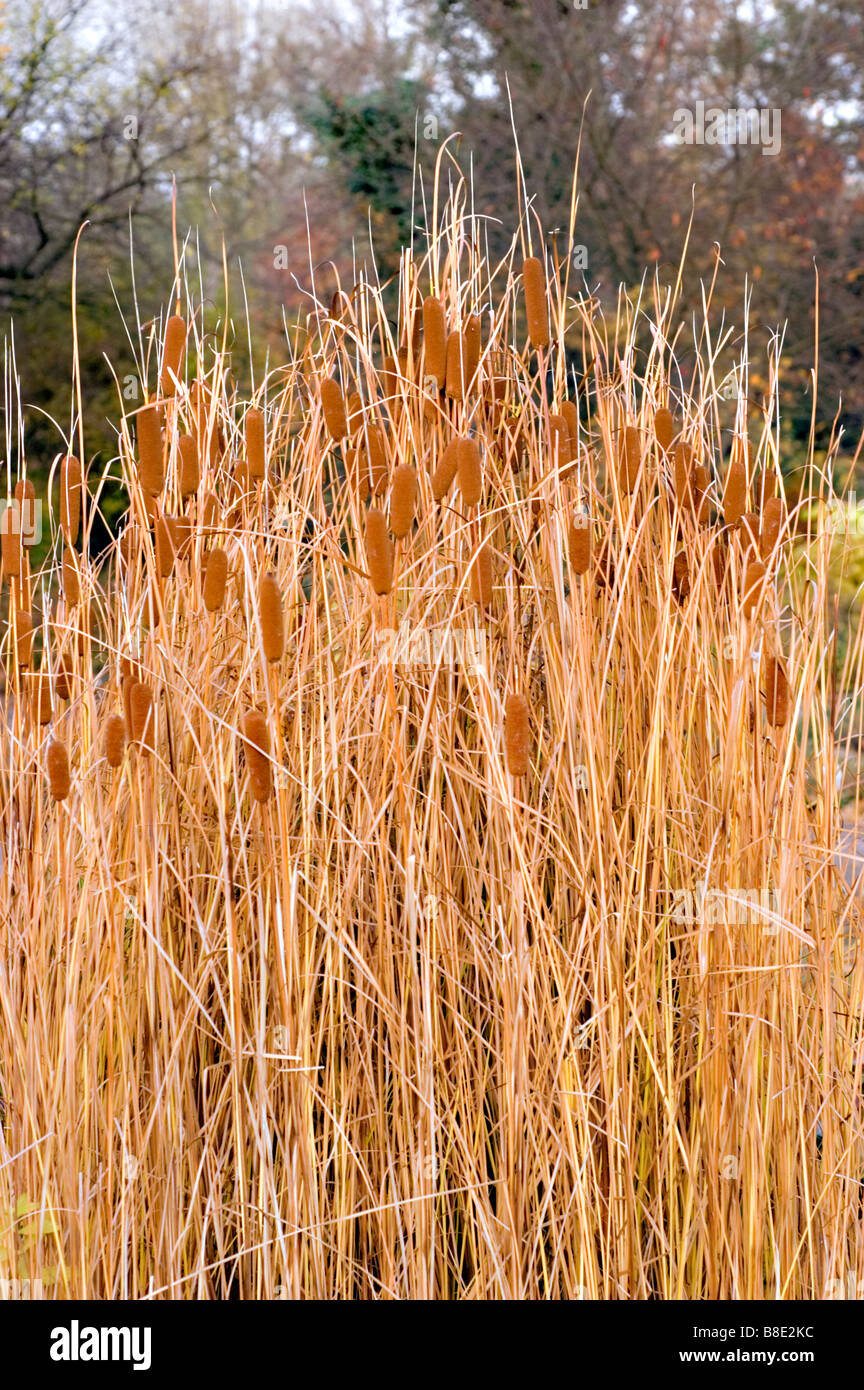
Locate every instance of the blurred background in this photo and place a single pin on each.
(299, 134)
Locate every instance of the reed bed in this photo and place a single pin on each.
(419, 831)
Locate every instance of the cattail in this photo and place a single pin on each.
(172, 354)
(271, 617)
(455, 367)
(629, 458)
(210, 512)
(772, 520)
(683, 467)
(559, 433)
(750, 531)
(333, 407)
(70, 498)
(181, 534)
(579, 543)
(142, 715)
(754, 578)
(23, 637)
(115, 740)
(390, 380)
(376, 454)
(442, 478)
(721, 561)
(570, 412)
(379, 552)
(71, 578)
(254, 434)
(215, 579)
(256, 746)
(25, 496)
(664, 428)
(190, 468)
(57, 764)
(470, 471)
(354, 412)
(403, 500)
(776, 692)
(471, 347)
(517, 734)
(11, 547)
(435, 339)
(41, 696)
(164, 543)
(735, 491)
(536, 312)
(481, 577)
(151, 613)
(64, 676)
(151, 473)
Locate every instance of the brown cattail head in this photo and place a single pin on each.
(749, 527)
(271, 616)
(142, 715)
(210, 512)
(115, 739)
(776, 692)
(70, 498)
(683, 469)
(181, 534)
(71, 578)
(172, 355)
(570, 412)
(164, 542)
(701, 493)
(664, 428)
(470, 471)
(41, 696)
(254, 430)
(735, 491)
(256, 746)
(379, 552)
(517, 737)
(482, 577)
(333, 407)
(559, 434)
(435, 339)
(151, 473)
(23, 636)
(403, 500)
(11, 547)
(536, 310)
(629, 458)
(754, 579)
(442, 478)
(215, 579)
(455, 367)
(57, 765)
(769, 533)
(579, 543)
(190, 468)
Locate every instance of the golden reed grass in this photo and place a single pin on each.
(432, 1026)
